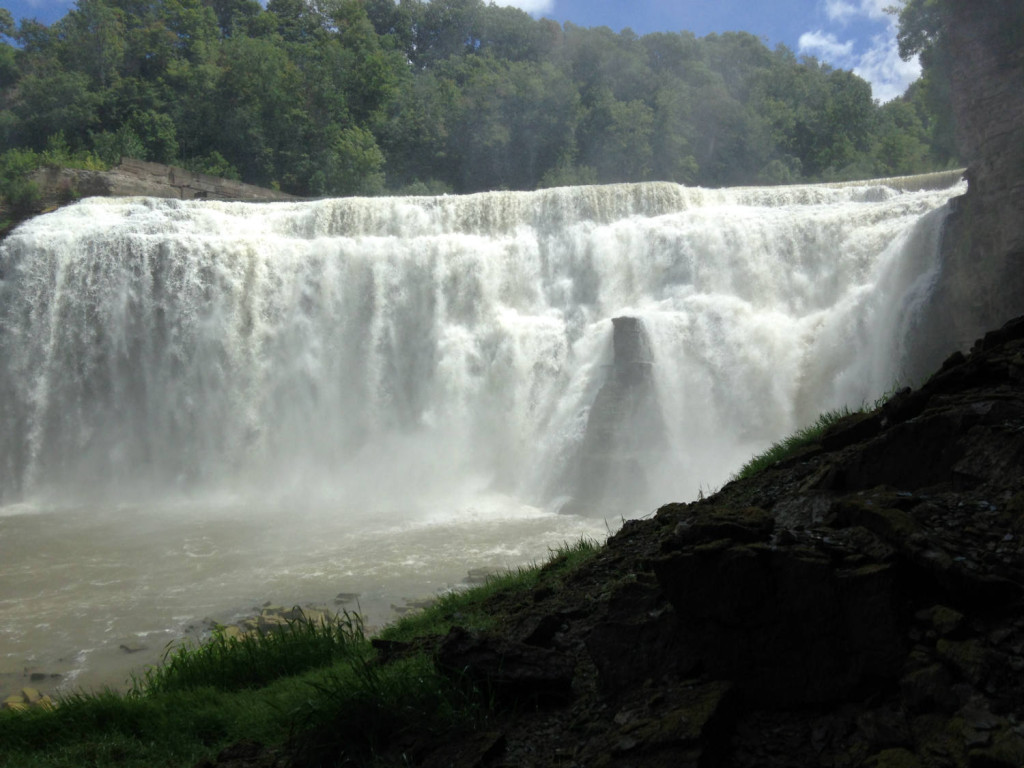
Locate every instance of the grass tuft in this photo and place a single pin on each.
(318, 685)
(469, 608)
(254, 659)
(793, 444)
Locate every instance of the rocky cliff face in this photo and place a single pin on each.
(984, 243)
(59, 186)
(625, 431)
(138, 178)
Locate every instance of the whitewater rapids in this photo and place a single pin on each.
(198, 399)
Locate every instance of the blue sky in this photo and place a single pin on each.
(848, 34)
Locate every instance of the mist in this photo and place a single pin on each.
(207, 405)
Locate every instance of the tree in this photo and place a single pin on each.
(922, 32)
(901, 145)
(352, 164)
(93, 40)
(6, 23)
(922, 25)
(8, 65)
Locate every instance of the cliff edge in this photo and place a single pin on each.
(140, 178)
(983, 245)
(59, 186)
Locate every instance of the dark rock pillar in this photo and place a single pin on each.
(625, 430)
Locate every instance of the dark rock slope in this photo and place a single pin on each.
(857, 605)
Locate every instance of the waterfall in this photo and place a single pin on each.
(381, 349)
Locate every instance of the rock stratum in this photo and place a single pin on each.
(859, 604)
(983, 245)
(133, 178)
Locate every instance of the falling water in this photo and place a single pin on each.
(382, 361)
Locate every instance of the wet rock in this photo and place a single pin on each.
(475, 752)
(894, 758)
(929, 690)
(514, 672)
(1006, 750)
(28, 698)
(942, 620)
(783, 623)
(970, 659)
(625, 429)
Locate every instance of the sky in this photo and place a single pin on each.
(848, 34)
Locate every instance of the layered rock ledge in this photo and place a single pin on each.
(139, 178)
(983, 245)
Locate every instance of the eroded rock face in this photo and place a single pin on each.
(625, 429)
(984, 241)
(139, 178)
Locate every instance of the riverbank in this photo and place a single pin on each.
(82, 585)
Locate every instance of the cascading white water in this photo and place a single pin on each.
(384, 348)
(206, 405)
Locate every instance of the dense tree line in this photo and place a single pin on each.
(337, 97)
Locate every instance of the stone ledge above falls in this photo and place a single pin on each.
(139, 178)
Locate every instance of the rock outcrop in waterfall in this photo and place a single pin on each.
(625, 435)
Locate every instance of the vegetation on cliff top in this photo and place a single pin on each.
(367, 96)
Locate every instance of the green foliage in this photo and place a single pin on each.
(792, 445)
(361, 709)
(366, 96)
(16, 189)
(470, 608)
(922, 32)
(922, 24)
(112, 146)
(6, 23)
(213, 164)
(351, 164)
(566, 174)
(252, 660)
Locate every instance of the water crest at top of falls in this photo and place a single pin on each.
(384, 349)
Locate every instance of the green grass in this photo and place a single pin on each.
(793, 444)
(254, 660)
(469, 608)
(315, 684)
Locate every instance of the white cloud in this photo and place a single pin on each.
(530, 6)
(845, 10)
(882, 66)
(840, 10)
(875, 58)
(827, 47)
